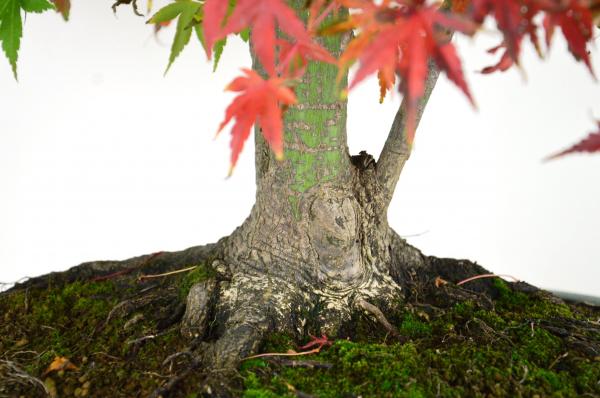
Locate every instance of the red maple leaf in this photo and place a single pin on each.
(589, 144)
(518, 18)
(214, 14)
(293, 57)
(317, 342)
(575, 20)
(405, 46)
(318, 10)
(260, 16)
(514, 18)
(505, 62)
(259, 101)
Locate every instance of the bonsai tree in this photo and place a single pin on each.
(317, 240)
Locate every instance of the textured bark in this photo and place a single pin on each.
(316, 249)
(316, 246)
(396, 150)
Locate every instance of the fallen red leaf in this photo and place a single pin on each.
(58, 364)
(317, 342)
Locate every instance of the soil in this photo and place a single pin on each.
(117, 334)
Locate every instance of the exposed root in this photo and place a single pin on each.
(174, 380)
(172, 357)
(376, 312)
(145, 338)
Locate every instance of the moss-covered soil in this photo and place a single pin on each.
(454, 342)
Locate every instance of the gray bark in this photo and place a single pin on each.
(396, 150)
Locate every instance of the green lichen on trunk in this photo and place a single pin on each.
(315, 146)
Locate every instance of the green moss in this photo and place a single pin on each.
(201, 273)
(465, 351)
(414, 328)
(72, 321)
(535, 307)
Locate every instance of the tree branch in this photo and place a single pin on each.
(396, 150)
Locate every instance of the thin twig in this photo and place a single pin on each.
(108, 356)
(13, 372)
(283, 354)
(558, 359)
(172, 357)
(525, 373)
(156, 375)
(415, 235)
(302, 364)
(487, 276)
(148, 337)
(144, 277)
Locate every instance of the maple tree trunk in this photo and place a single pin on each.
(316, 247)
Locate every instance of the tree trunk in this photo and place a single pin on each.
(317, 240)
(316, 249)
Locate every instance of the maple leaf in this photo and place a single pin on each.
(405, 46)
(11, 30)
(318, 10)
(460, 6)
(589, 144)
(293, 57)
(11, 25)
(576, 22)
(368, 19)
(259, 102)
(63, 7)
(188, 13)
(261, 16)
(505, 62)
(318, 342)
(58, 364)
(386, 79)
(514, 19)
(160, 26)
(214, 14)
(36, 6)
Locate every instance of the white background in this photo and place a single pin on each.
(103, 158)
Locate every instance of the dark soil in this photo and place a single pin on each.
(484, 338)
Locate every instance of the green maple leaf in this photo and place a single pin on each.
(36, 6)
(189, 14)
(11, 25)
(218, 51)
(11, 30)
